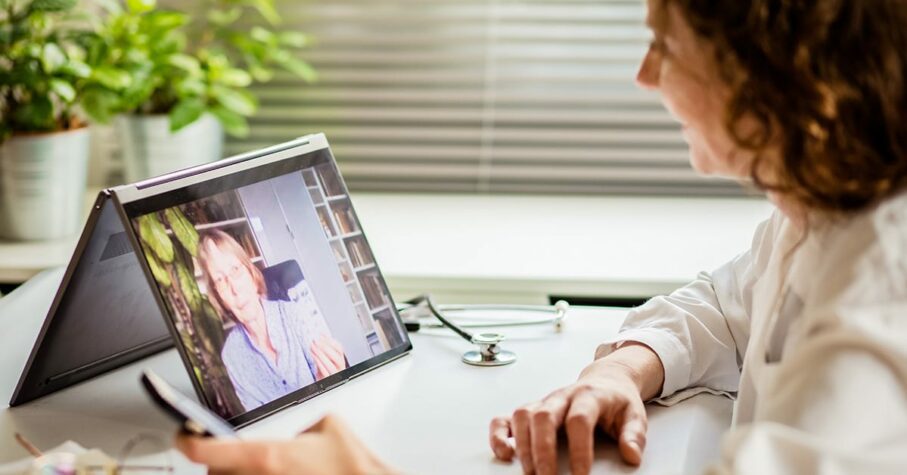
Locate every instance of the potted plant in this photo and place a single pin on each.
(44, 151)
(175, 81)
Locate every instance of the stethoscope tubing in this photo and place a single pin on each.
(558, 315)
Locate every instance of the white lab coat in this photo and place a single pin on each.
(811, 336)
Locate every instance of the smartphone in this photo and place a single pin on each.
(192, 416)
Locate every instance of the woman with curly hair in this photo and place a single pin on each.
(806, 100)
(808, 328)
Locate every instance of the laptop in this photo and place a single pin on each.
(256, 268)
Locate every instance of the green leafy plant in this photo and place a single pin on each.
(42, 67)
(186, 64)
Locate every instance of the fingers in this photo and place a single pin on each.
(318, 358)
(334, 351)
(632, 439)
(233, 456)
(328, 356)
(328, 423)
(499, 437)
(546, 420)
(579, 424)
(535, 428)
(520, 425)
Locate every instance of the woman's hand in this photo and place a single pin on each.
(328, 447)
(328, 355)
(609, 394)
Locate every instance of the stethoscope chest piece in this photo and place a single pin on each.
(489, 353)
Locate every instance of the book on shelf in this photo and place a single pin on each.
(309, 177)
(317, 198)
(345, 271)
(329, 180)
(339, 253)
(358, 253)
(343, 221)
(325, 224)
(373, 293)
(355, 293)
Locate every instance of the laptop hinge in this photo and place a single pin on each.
(220, 163)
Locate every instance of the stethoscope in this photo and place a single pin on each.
(489, 353)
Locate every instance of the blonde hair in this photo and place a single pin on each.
(225, 243)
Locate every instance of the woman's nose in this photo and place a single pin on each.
(647, 76)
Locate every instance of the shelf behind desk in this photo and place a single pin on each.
(519, 249)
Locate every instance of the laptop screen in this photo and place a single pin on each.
(269, 283)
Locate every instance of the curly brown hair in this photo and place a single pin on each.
(828, 78)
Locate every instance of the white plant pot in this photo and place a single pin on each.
(151, 149)
(42, 184)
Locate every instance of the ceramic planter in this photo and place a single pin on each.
(151, 149)
(42, 184)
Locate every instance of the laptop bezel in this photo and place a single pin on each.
(173, 183)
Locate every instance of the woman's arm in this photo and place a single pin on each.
(700, 331)
(694, 337)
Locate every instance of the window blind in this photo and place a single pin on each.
(480, 96)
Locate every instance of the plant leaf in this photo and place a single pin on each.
(293, 39)
(234, 124)
(100, 104)
(189, 287)
(51, 5)
(183, 230)
(155, 236)
(75, 68)
(35, 115)
(221, 18)
(184, 113)
(266, 9)
(52, 57)
(238, 101)
(63, 89)
(166, 20)
(190, 87)
(234, 77)
(185, 62)
(260, 34)
(261, 73)
(111, 77)
(296, 66)
(140, 6)
(157, 269)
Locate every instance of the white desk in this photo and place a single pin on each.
(425, 413)
(520, 249)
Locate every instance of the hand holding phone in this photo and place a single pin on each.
(192, 416)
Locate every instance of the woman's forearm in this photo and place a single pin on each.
(637, 362)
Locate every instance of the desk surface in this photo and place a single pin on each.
(520, 248)
(425, 413)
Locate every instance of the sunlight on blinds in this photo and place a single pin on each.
(481, 96)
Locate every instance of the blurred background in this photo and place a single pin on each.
(489, 145)
(476, 96)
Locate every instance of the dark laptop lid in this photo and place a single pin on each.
(102, 317)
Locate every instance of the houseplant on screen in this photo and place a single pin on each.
(178, 79)
(44, 151)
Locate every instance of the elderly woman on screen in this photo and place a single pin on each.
(264, 354)
(807, 100)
